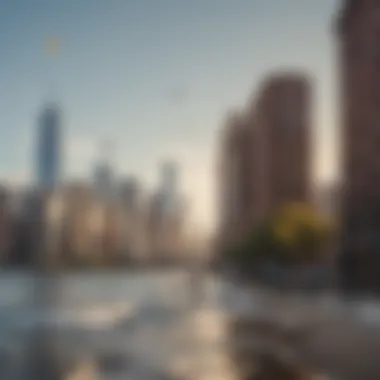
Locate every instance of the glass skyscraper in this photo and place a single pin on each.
(49, 148)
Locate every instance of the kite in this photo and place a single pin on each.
(53, 46)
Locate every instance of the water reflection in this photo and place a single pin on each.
(140, 332)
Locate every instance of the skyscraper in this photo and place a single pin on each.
(49, 148)
(358, 36)
(265, 156)
(134, 233)
(360, 88)
(129, 193)
(104, 178)
(237, 178)
(283, 137)
(167, 215)
(104, 181)
(169, 179)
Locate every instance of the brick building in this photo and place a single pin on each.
(236, 178)
(358, 35)
(358, 32)
(265, 156)
(283, 135)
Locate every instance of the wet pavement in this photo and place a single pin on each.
(231, 333)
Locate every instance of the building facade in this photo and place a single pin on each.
(113, 234)
(237, 179)
(265, 157)
(104, 184)
(49, 148)
(359, 52)
(43, 215)
(283, 136)
(358, 37)
(166, 218)
(134, 220)
(79, 219)
(5, 224)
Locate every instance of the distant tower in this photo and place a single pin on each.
(169, 183)
(129, 191)
(49, 148)
(103, 175)
(167, 214)
(237, 174)
(169, 174)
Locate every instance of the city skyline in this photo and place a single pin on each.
(141, 75)
(48, 148)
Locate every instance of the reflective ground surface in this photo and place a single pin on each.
(153, 326)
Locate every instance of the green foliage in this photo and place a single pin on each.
(295, 234)
(302, 233)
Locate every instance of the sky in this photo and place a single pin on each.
(156, 78)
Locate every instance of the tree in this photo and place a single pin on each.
(296, 233)
(256, 246)
(301, 232)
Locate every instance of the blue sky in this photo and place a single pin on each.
(157, 78)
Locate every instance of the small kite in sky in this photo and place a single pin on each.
(53, 46)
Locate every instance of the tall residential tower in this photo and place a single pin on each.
(357, 28)
(236, 174)
(283, 141)
(49, 148)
